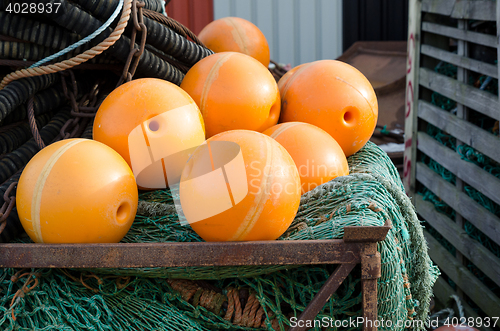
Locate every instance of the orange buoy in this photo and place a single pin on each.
(234, 34)
(334, 96)
(240, 185)
(77, 191)
(233, 91)
(284, 79)
(318, 157)
(146, 121)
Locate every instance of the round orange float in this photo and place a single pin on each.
(147, 121)
(77, 191)
(234, 34)
(318, 157)
(233, 91)
(334, 96)
(284, 79)
(240, 185)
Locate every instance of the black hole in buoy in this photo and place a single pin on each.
(348, 116)
(154, 126)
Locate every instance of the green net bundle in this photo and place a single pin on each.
(238, 298)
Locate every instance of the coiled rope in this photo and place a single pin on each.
(81, 58)
(84, 40)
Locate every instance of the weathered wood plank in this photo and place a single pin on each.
(485, 260)
(479, 216)
(470, 36)
(465, 131)
(461, 61)
(441, 7)
(481, 101)
(481, 180)
(498, 46)
(474, 10)
(462, 9)
(462, 113)
(443, 291)
(412, 93)
(477, 291)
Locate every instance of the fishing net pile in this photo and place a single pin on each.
(238, 298)
(188, 298)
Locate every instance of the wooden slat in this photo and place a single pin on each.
(479, 216)
(477, 291)
(470, 36)
(481, 180)
(467, 132)
(462, 113)
(481, 101)
(461, 61)
(441, 7)
(443, 291)
(412, 93)
(498, 45)
(485, 260)
(484, 10)
(462, 9)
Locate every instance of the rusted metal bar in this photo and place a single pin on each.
(141, 255)
(370, 312)
(358, 246)
(366, 238)
(321, 298)
(362, 234)
(370, 272)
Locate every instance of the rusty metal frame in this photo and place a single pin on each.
(359, 246)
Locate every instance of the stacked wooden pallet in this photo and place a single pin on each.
(463, 35)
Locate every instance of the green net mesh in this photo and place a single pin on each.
(238, 298)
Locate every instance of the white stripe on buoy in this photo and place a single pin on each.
(284, 127)
(239, 36)
(40, 183)
(260, 199)
(211, 78)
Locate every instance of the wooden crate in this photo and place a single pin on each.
(440, 34)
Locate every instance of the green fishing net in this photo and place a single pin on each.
(239, 298)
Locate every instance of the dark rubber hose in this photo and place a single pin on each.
(18, 92)
(13, 227)
(12, 162)
(12, 138)
(159, 35)
(13, 50)
(79, 21)
(44, 101)
(40, 33)
(155, 5)
(173, 44)
(102, 9)
(28, 51)
(87, 134)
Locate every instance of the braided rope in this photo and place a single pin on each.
(74, 61)
(84, 40)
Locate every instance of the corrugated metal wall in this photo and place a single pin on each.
(298, 31)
